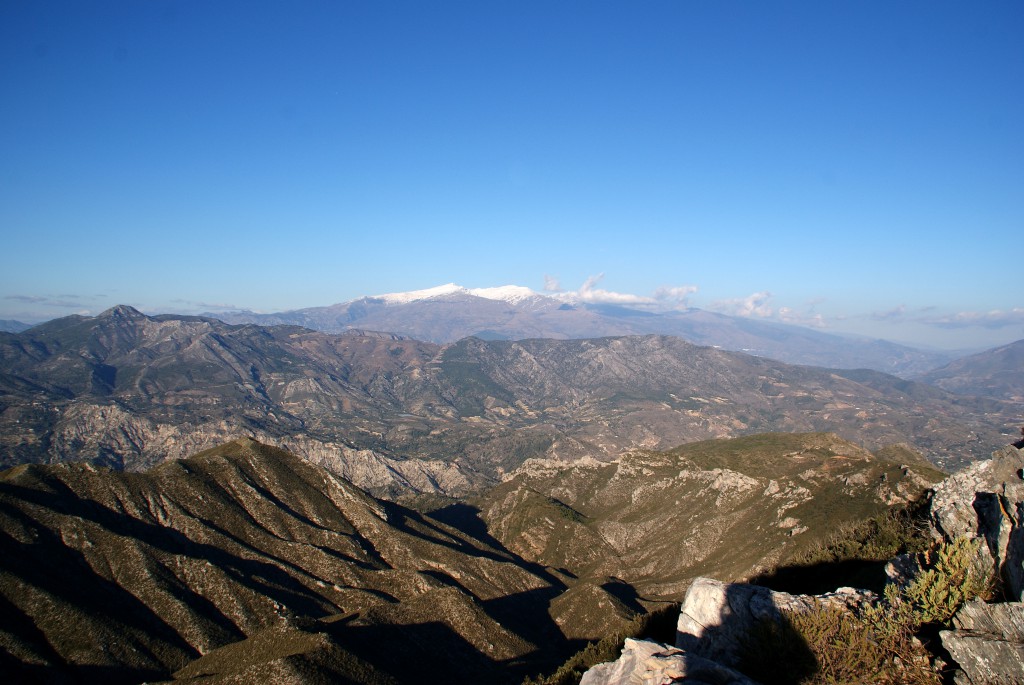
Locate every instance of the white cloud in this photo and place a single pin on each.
(677, 296)
(665, 297)
(592, 295)
(996, 318)
(758, 305)
(207, 306)
(810, 319)
(755, 305)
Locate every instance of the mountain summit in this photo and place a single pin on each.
(513, 294)
(450, 312)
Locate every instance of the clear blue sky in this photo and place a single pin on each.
(858, 164)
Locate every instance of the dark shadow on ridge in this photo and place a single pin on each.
(625, 593)
(466, 518)
(824, 577)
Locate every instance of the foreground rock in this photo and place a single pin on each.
(986, 501)
(717, 617)
(653, 663)
(714, 621)
(988, 643)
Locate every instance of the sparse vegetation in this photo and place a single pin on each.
(855, 554)
(882, 644)
(897, 531)
(829, 646)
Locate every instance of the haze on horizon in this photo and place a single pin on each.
(855, 167)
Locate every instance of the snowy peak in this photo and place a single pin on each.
(513, 294)
(414, 295)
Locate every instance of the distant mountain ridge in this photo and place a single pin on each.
(12, 326)
(397, 415)
(448, 313)
(998, 372)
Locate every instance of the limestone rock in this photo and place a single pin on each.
(652, 663)
(716, 616)
(986, 500)
(988, 643)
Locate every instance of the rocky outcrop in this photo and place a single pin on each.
(658, 520)
(653, 663)
(113, 432)
(716, 617)
(714, 621)
(988, 643)
(986, 500)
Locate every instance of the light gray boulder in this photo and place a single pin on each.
(644, 662)
(716, 617)
(987, 643)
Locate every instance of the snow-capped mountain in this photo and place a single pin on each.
(451, 312)
(513, 294)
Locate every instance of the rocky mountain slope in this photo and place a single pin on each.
(995, 373)
(737, 507)
(449, 313)
(246, 559)
(398, 415)
(246, 564)
(965, 594)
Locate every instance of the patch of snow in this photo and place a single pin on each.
(413, 295)
(507, 293)
(513, 294)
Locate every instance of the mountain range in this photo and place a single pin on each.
(397, 415)
(450, 312)
(246, 564)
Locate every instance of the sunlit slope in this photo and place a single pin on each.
(726, 508)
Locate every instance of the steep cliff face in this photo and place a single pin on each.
(658, 519)
(132, 576)
(129, 391)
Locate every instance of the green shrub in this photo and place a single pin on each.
(955, 578)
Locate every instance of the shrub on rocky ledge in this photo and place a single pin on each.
(829, 645)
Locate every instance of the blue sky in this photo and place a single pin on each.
(857, 166)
